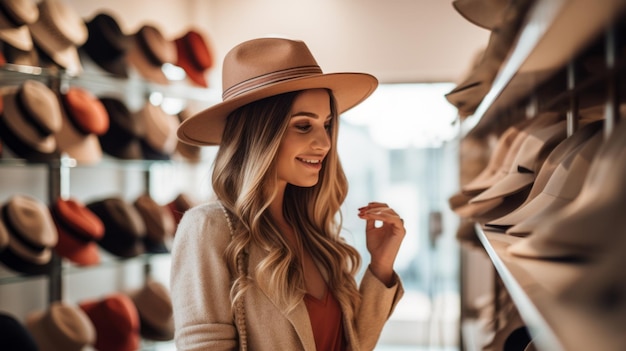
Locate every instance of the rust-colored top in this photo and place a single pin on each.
(326, 321)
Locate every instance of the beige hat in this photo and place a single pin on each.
(154, 305)
(159, 221)
(151, 50)
(562, 188)
(527, 163)
(563, 152)
(484, 182)
(14, 16)
(589, 225)
(32, 234)
(61, 327)
(58, 32)
(265, 67)
(160, 129)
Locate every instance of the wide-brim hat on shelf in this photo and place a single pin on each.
(15, 336)
(124, 229)
(194, 56)
(79, 231)
(15, 15)
(61, 327)
(159, 222)
(528, 161)
(123, 138)
(116, 321)
(265, 67)
(586, 228)
(84, 118)
(159, 140)
(32, 234)
(58, 32)
(154, 305)
(107, 44)
(31, 117)
(151, 50)
(562, 155)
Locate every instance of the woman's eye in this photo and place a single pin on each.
(303, 127)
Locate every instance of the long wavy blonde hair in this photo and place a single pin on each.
(244, 180)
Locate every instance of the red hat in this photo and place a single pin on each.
(79, 230)
(194, 56)
(86, 111)
(116, 320)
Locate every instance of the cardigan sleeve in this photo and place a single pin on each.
(377, 303)
(200, 282)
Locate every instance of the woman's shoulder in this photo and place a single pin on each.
(206, 220)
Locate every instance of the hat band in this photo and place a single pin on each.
(17, 234)
(268, 79)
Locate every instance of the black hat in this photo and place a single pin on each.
(15, 336)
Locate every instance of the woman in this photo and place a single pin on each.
(263, 267)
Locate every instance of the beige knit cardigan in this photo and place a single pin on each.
(204, 320)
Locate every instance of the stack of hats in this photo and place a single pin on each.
(15, 37)
(28, 234)
(61, 327)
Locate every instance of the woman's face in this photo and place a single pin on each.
(307, 139)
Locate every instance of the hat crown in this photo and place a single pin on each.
(61, 18)
(32, 219)
(261, 62)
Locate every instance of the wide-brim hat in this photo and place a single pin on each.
(31, 116)
(154, 305)
(79, 230)
(194, 56)
(483, 13)
(151, 50)
(124, 228)
(107, 44)
(61, 327)
(58, 32)
(116, 321)
(15, 336)
(14, 17)
(159, 221)
(32, 234)
(265, 67)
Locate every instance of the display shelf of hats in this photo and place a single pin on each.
(530, 43)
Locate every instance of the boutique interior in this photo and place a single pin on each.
(495, 132)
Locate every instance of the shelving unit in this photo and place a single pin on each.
(543, 71)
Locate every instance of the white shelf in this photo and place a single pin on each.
(554, 32)
(534, 286)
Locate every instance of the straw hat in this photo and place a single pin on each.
(265, 67)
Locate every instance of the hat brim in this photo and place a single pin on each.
(534, 213)
(206, 127)
(65, 56)
(510, 184)
(18, 37)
